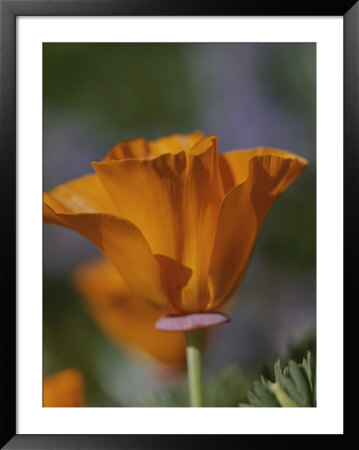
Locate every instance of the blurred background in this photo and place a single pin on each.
(248, 95)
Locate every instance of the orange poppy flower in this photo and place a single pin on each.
(175, 218)
(64, 388)
(125, 318)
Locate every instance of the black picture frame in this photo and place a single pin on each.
(9, 10)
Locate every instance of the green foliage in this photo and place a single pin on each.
(225, 389)
(298, 348)
(294, 386)
(291, 241)
(121, 84)
(71, 338)
(289, 71)
(228, 388)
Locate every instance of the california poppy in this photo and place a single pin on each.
(178, 220)
(64, 388)
(125, 318)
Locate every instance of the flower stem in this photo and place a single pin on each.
(194, 368)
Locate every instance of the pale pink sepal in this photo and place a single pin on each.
(190, 321)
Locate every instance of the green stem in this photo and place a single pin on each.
(194, 368)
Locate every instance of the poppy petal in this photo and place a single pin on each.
(174, 144)
(83, 195)
(241, 215)
(125, 318)
(141, 148)
(136, 148)
(234, 166)
(124, 246)
(63, 389)
(174, 200)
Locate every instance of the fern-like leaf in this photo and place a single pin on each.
(294, 386)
